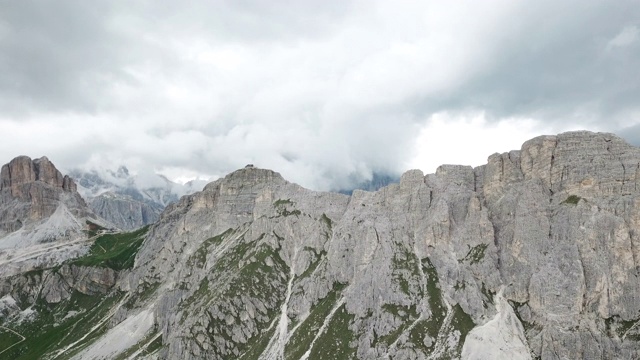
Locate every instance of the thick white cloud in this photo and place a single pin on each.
(325, 92)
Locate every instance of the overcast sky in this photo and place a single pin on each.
(325, 92)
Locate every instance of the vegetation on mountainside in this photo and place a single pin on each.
(57, 326)
(281, 207)
(335, 341)
(246, 268)
(50, 327)
(526, 325)
(8, 339)
(303, 337)
(625, 329)
(475, 254)
(431, 326)
(572, 200)
(115, 251)
(282, 202)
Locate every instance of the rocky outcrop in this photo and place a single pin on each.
(58, 284)
(32, 190)
(22, 170)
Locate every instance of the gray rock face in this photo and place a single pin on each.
(255, 266)
(532, 255)
(32, 190)
(56, 285)
(42, 217)
(22, 170)
(565, 209)
(124, 211)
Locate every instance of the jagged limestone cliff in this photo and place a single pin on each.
(43, 219)
(31, 190)
(532, 255)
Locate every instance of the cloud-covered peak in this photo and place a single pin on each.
(327, 93)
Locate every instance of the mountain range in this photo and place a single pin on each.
(532, 255)
(124, 201)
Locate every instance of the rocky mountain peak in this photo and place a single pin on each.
(123, 171)
(22, 170)
(249, 176)
(31, 190)
(253, 175)
(579, 163)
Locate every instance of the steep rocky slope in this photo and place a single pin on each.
(532, 255)
(42, 217)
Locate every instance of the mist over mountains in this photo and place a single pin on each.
(129, 201)
(132, 201)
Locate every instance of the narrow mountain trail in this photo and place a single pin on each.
(7, 329)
